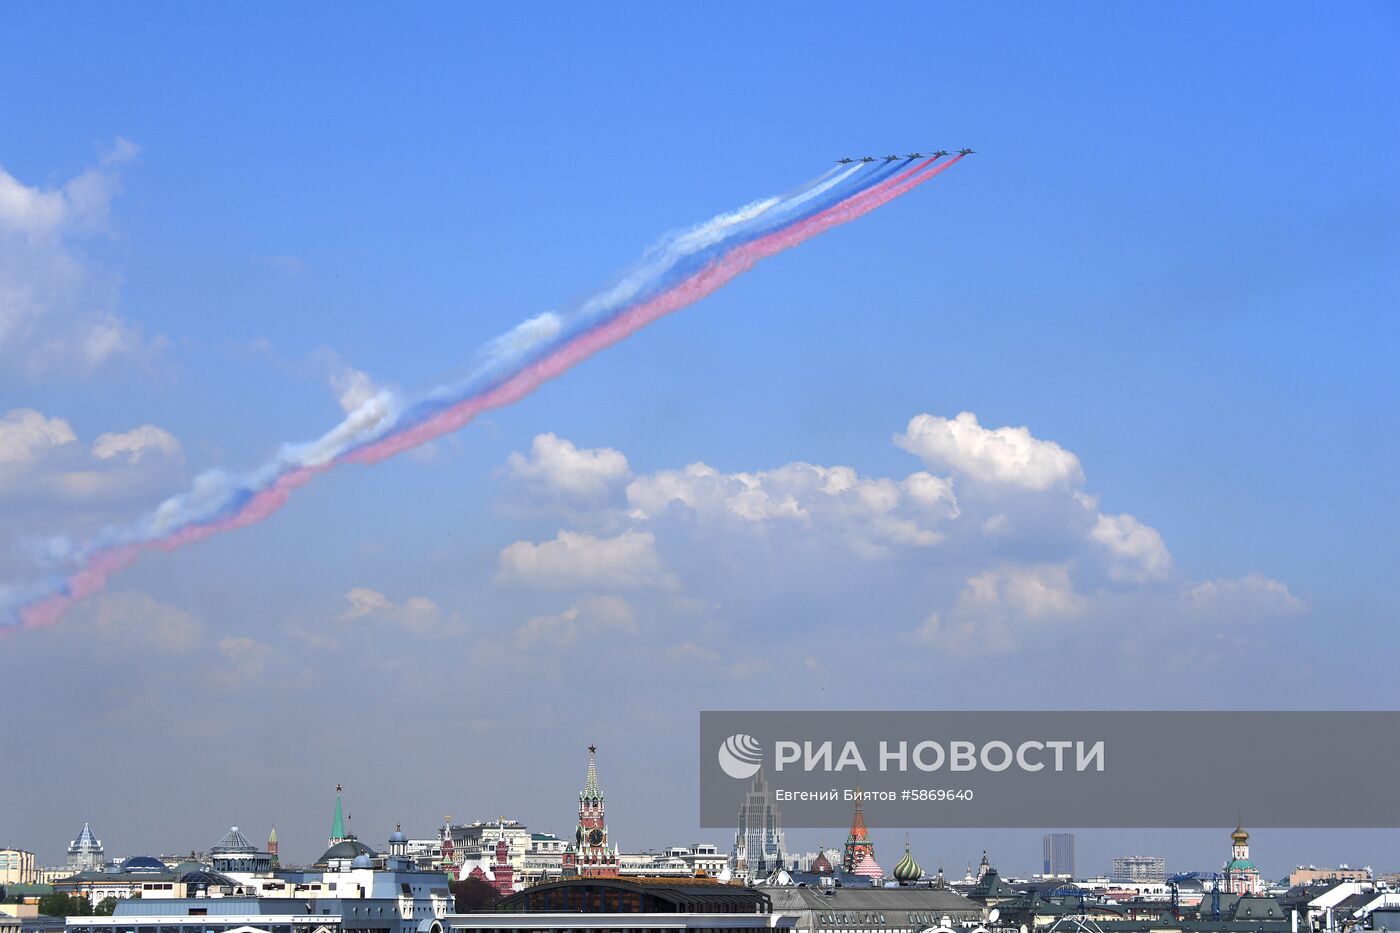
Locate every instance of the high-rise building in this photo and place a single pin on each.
(759, 849)
(1058, 861)
(1139, 868)
(589, 854)
(85, 853)
(17, 866)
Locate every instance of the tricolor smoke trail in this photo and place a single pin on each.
(680, 270)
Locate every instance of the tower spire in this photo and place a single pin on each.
(858, 844)
(589, 854)
(338, 822)
(590, 787)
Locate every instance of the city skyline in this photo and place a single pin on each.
(1013, 861)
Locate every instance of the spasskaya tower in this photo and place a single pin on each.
(588, 855)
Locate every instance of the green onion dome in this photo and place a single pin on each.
(908, 870)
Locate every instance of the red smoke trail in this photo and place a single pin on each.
(93, 578)
(686, 292)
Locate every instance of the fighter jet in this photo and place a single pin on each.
(914, 155)
(940, 153)
(891, 158)
(844, 161)
(964, 152)
(868, 159)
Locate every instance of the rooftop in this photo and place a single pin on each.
(233, 842)
(637, 895)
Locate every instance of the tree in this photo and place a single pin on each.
(474, 894)
(65, 905)
(105, 907)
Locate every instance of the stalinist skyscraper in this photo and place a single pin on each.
(759, 848)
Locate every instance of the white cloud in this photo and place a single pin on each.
(39, 458)
(244, 659)
(134, 445)
(869, 514)
(1030, 592)
(1139, 553)
(626, 561)
(26, 436)
(1005, 455)
(417, 614)
(558, 466)
(121, 151)
(365, 602)
(57, 308)
(591, 618)
(1250, 597)
(136, 621)
(689, 652)
(998, 609)
(997, 543)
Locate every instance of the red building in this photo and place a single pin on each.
(588, 855)
(858, 844)
(502, 874)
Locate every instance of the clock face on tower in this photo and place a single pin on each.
(595, 837)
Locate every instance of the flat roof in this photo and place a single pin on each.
(554, 920)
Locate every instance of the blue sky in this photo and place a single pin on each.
(1174, 256)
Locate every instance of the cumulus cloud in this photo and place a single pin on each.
(996, 534)
(574, 559)
(689, 652)
(591, 618)
(1139, 554)
(40, 457)
(26, 436)
(136, 621)
(121, 151)
(1030, 592)
(558, 466)
(137, 444)
(997, 608)
(58, 307)
(870, 514)
(1007, 455)
(243, 659)
(1252, 596)
(417, 614)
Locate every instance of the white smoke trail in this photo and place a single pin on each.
(214, 492)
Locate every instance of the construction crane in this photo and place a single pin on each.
(1213, 876)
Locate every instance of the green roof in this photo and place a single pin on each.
(338, 823)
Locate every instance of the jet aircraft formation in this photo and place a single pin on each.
(908, 156)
